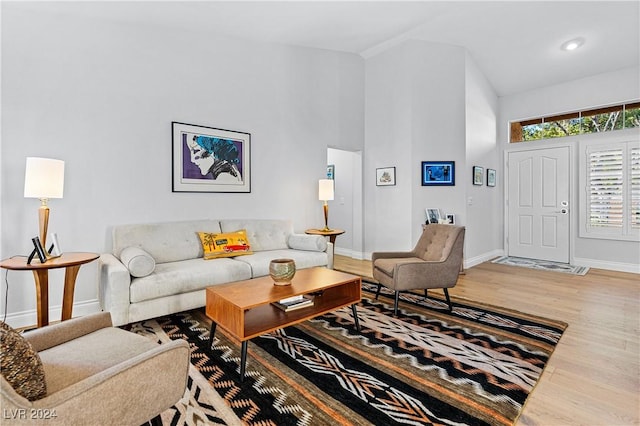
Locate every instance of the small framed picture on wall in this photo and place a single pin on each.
(478, 175)
(386, 176)
(491, 177)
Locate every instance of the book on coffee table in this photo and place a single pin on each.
(291, 304)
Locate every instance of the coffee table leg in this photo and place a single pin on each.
(212, 332)
(243, 360)
(355, 317)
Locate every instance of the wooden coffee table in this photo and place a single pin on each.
(244, 309)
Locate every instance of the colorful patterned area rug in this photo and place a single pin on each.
(476, 365)
(543, 265)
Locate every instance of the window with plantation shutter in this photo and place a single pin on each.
(610, 175)
(635, 188)
(606, 188)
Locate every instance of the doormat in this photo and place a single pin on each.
(544, 265)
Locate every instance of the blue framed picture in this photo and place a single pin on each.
(438, 173)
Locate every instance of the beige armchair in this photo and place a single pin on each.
(96, 374)
(435, 262)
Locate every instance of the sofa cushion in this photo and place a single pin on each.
(259, 261)
(307, 242)
(21, 365)
(90, 354)
(263, 234)
(185, 276)
(165, 242)
(137, 261)
(224, 244)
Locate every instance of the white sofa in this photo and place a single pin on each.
(158, 269)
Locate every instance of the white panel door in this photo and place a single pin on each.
(538, 204)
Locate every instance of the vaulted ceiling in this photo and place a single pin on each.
(515, 43)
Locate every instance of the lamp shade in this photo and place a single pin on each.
(325, 189)
(43, 178)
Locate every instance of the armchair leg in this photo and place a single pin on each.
(395, 305)
(378, 291)
(446, 294)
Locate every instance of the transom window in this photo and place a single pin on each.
(595, 120)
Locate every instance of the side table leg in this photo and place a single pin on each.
(212, 333)
(355, 317)
(70, 276)
(243, 360)
(41, 277)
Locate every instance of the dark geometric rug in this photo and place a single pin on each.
(476, 365)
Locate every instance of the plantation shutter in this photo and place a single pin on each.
(634, 172)
(606, 188)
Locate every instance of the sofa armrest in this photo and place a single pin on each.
(307, 242)
(137, 389)
(330, 249)
(56, 334)
(114, 281)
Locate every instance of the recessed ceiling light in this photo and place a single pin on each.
(572, 44)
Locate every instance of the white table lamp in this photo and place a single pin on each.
(43, 179)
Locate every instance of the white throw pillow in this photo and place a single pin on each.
(138, 262)
(307, 242)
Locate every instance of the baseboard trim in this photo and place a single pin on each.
(633, 268)
(30, 318)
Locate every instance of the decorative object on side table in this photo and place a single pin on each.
(438, 173)
(386, 176)
(282, 271)
(433, 216)
(325, 193)
(478, 175)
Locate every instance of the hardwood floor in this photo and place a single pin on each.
(593, 377)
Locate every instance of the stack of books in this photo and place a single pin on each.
(293, 303)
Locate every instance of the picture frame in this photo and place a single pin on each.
(331, 171)
(386, 176)
(208, 159)
(451, 218)
(478, 175)
(438, 173)
(491, 177)
(433, 215)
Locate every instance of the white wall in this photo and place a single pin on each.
(604, 89)
(101, 96)
(427, 101)
(484, 212)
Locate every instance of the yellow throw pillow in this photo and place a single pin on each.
(225, 245)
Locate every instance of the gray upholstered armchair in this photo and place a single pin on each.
(435, 262)
(94, 374)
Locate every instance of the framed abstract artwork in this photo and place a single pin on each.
(478, 175)
(386, 176)
(438, 173)
(206, 159)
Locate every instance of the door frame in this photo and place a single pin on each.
(573, 190)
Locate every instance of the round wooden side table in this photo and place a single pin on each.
(70, 261)
(332, 233)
